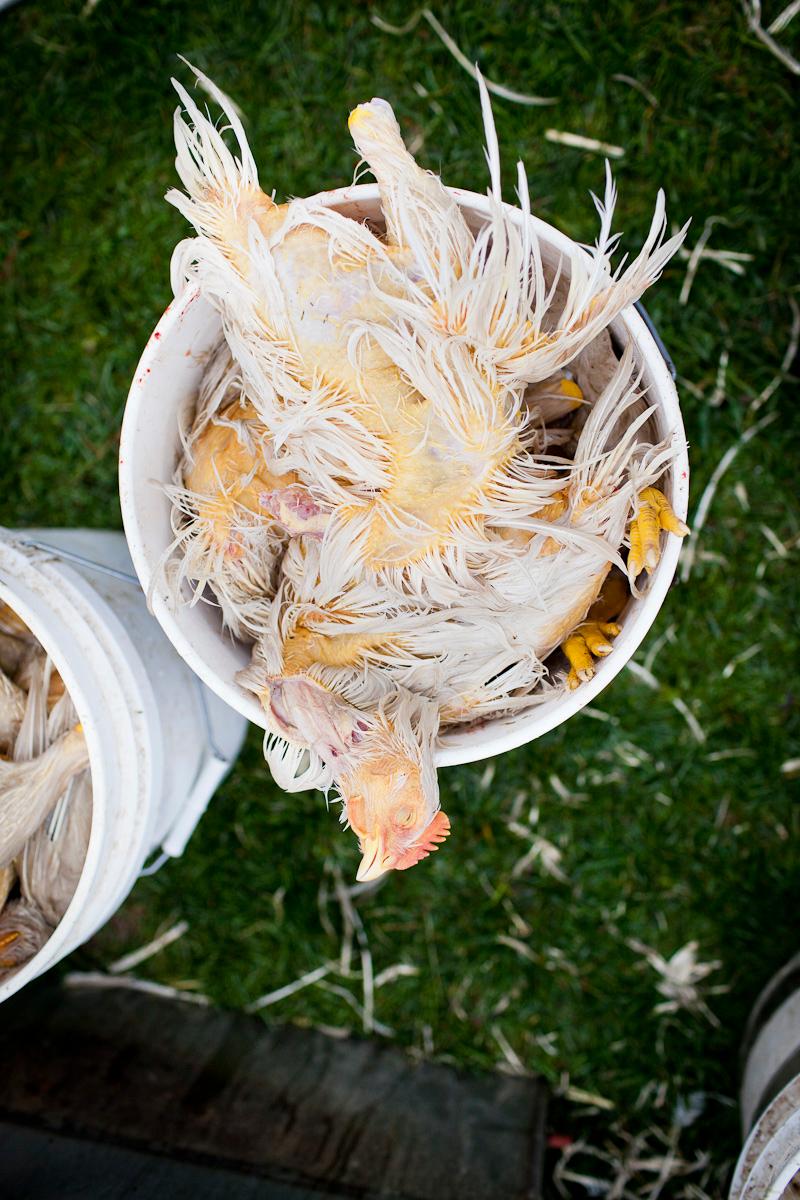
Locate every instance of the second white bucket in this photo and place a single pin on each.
(159, 742)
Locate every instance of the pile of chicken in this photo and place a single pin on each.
(45, 795)
(415, 460)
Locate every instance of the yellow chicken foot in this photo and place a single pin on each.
(654, 514)
(584, 644)
(6, 940)
(551, 400)
(589, 640)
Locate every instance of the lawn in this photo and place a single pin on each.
(666, 814)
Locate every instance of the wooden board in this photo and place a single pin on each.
(41, 1165)
(295, 1105)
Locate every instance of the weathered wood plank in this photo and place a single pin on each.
(41, 1165)
(350, 1114)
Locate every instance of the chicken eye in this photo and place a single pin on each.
(404, 817)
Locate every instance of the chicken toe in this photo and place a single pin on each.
(654, 514)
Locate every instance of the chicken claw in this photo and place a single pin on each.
(6, 940)
(655, 513)
(23, 932)
(586, 643)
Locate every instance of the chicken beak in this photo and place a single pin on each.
(374, 861)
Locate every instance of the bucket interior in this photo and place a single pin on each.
(101, 670)
(37, 621)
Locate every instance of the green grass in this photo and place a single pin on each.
(682, 845)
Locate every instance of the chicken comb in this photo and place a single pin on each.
(431, 839)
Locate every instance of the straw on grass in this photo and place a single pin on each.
(738, 659)
(367, 1019)
(697, 253)
(289, 989)
(637, 86)
(353, 923)
(497, 89)
(395, 971)
(579, 142)
(701, 513)
(518, 947)
(752, 9)
(97, 979)
(789, 356)
(717, 397)
(128, 961)
(512, 1063)
(783, 18)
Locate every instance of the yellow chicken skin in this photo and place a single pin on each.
(225, 474)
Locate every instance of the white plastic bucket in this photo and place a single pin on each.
(161, 398)
(159, 742)
(769, 1165)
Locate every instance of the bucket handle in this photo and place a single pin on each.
(648, 320)
(213, 768)
(72, 556)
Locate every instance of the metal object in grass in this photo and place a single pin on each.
(769, 1164)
